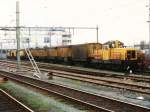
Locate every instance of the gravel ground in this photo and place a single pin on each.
(107, 91)
(39, 102)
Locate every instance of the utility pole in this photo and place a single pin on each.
(18, 35)
(28, 39)
(50, 35)
(97, 34)
(149, 22)
(1, 44)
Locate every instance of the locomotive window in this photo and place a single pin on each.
(131, 54)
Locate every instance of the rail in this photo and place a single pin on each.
(103, 103)
(10, 104)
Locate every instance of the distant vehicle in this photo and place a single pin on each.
(3, 54)
(146, 57)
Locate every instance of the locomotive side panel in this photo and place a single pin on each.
(117, 54)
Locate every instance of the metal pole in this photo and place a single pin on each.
(18, 35)
(149, 23)
(50, 40)
(29, 39)
(28, 42)
(97, 33)
(1, 49)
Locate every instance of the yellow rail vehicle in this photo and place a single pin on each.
(11, 54)
(52, 53)
(86, 52)
(64, 53)
(75, 53)
(114, 53)
(100, 55)
(119, 54)
(39, 53)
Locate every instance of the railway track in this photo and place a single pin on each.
(95, 72)
(10, 104)
(97, 102)
(119, 84)
(92, 72)
(105, 82)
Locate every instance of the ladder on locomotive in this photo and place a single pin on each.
(32, 61)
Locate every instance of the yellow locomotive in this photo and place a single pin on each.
(114, 53)
(110, 54)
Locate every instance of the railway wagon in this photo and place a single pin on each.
(11, 54)
(23, 54)
(39, 53)
(51, 54)
(86, 52)
(64, 53)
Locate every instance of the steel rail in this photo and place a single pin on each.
(99, 101)
(10, 104)
(99, 81)
(88, 72)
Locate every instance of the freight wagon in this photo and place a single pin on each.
(112, 54)
(86, 52)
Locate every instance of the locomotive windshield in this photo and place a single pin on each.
(130, 54)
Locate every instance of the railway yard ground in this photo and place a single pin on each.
(64, 88)
(10, 104)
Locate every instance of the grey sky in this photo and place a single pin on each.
(125, 20)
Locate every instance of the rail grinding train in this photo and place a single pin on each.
(111, 54)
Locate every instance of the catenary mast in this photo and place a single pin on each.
(18, 34)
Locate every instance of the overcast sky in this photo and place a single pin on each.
(125, 20)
